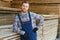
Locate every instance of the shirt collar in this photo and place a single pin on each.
(22, 14)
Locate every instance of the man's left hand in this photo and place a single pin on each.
(35, 29)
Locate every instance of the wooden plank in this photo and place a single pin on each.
(45, 1)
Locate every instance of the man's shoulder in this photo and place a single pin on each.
(35, 14)
(32, 13)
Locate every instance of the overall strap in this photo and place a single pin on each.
(28, 15)
(30, 18)
(19, 17)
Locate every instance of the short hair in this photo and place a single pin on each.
(24, 2)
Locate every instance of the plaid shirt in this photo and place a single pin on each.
(24, 18)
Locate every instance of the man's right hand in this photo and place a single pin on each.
(25, 36)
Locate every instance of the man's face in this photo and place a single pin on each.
(25, 7)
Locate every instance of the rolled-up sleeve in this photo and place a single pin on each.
(41, 20)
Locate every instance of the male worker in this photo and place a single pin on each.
(25, 23)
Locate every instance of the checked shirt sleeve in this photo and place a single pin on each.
(40, 18)
(17, 26)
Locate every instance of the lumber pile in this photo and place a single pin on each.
(39, 6)
(45, 1)
(6, 18)
(4, 4)
(49, 29)
(7, 34)
(47, 32)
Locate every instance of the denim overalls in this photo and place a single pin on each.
(27, 27)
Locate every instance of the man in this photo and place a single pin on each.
(25, 23)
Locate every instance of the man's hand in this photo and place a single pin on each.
(25, 36)
(35, 29)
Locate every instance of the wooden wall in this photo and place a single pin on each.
(38, 6)
(45, 1)
(4, 4)
(45, 9)
(6, 18)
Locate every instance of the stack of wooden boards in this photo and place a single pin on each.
(4, 4)
(6, 18)
(7, 34)
(39, 6)
(47, 32)
(49, 29)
